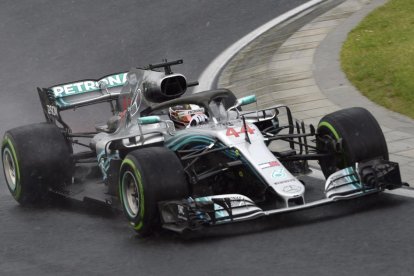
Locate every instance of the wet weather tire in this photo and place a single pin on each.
(148, 176)
(362, 138)
(35, 157)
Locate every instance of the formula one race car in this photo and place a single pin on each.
(185, 162)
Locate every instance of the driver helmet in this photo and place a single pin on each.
(187, 115)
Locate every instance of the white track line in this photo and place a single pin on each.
(407, 192)
(208, 76)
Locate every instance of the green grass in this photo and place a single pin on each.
(378, 56)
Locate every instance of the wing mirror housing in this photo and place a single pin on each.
(147, 120)
(243, 101)
(246, 100)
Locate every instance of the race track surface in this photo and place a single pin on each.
(45, 42)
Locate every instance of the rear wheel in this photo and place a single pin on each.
(35, 157)
(358, 133)
(148, 176)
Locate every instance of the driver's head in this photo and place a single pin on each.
(187, 115)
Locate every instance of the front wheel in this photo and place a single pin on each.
(357, 135)
(148, 176)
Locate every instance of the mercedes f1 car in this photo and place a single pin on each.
(235, 165)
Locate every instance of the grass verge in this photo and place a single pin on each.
(378, 56)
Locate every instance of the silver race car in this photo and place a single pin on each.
(187, 162)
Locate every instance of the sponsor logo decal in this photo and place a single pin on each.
(292, 189)
(270, 164)
(285, 181)
(81, 87)
(191, 112)
(236, 198)
(277, 173)
(238, 203)
(52, 110)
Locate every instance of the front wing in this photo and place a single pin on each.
(193, 213)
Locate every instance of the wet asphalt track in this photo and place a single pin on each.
(48, 42)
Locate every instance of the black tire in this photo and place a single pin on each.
(362, 138)
(34, 158)
(147, 176)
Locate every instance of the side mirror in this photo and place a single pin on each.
(243, 101)
(149, 120)
(246, 100)
(240, 102)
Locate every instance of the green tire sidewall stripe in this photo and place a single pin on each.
(331, 128)
(131, 164)
(334, 132)
(8, 143)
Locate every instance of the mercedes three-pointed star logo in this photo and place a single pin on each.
(291, 189)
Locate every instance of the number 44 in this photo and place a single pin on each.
(232, 132)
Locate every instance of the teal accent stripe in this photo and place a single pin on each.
(180, 141)
(352, 178)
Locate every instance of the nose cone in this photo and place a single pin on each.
(290, 189)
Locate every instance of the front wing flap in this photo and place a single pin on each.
(210, 210)
(376, 174)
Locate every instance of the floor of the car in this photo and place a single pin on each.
(87, 186)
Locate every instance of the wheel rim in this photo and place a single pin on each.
(9, 167)
(130, 194)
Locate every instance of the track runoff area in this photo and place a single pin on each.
(208, 77)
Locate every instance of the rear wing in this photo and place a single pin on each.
(157, 87)
(80, 93)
